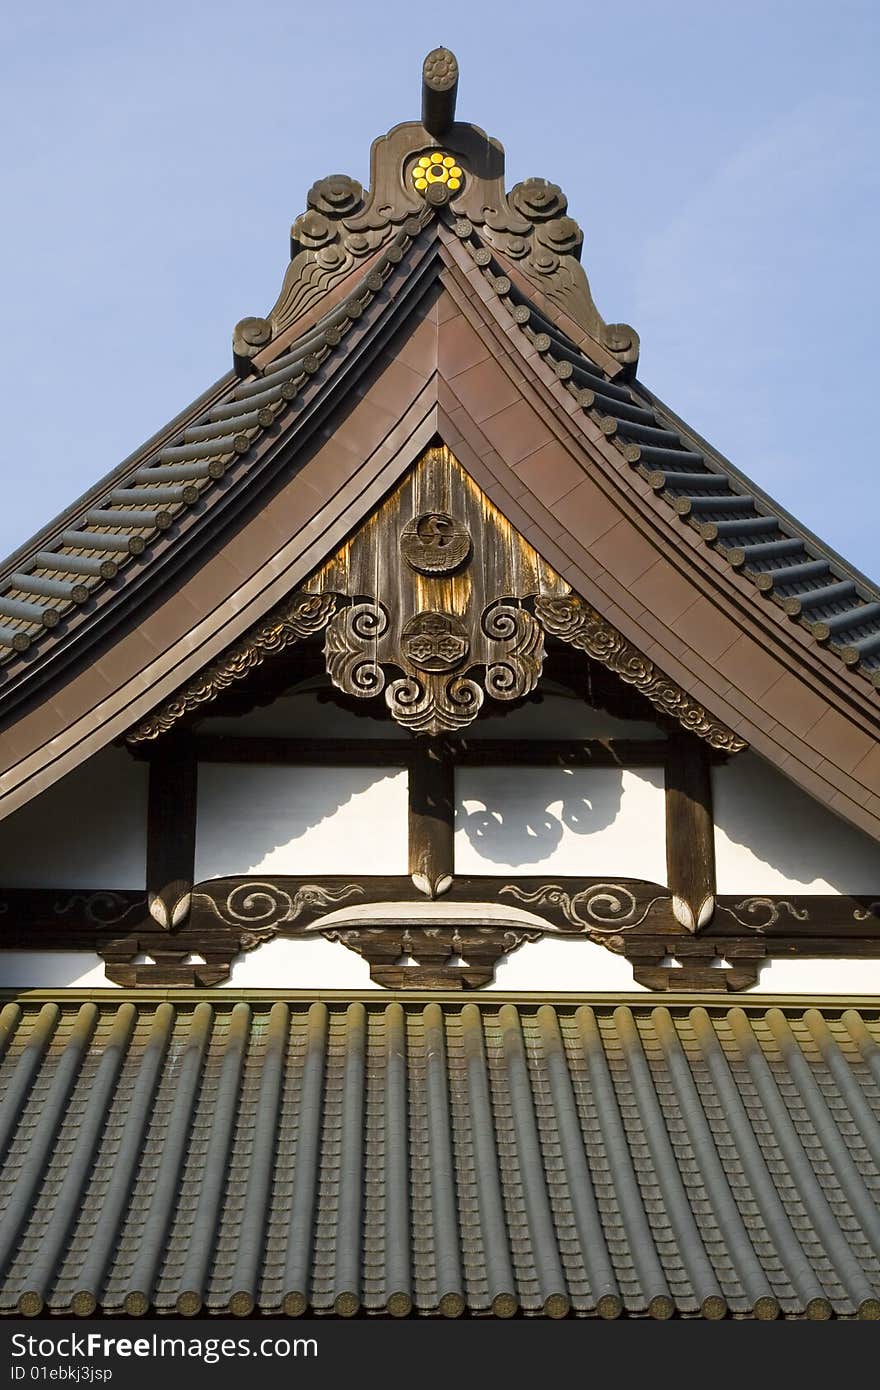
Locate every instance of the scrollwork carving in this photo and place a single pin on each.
(297, 617)
(601, 911)
(574, 621)
(350, 649)
(263, 906)
(101, 909)
(761, 913)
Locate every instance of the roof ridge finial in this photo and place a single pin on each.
(439, 90)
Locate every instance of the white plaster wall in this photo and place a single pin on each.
(302, 715)
(557, 714)
(52, 970)
(592, 822)
(300, 820)
(557, 966)
(770, 837)
(306, 963)
(853, 977)
(89, 830)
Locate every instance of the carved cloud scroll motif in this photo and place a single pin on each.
(435, 620)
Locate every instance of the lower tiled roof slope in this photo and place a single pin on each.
(438, 1157)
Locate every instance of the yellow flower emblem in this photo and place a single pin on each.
(437, 168)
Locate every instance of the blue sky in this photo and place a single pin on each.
(720, 157)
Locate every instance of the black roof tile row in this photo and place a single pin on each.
(438, 1158)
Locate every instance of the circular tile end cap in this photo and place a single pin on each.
(661, 1307)
(714, 1307)
(557, 1305)
(30, 1305)
(83, 1304)
(346, 1304)
(241, 1304)
(399, 1305)
(818, 1310)
(609, 1306)
(767, 1308)
(189, 1303)
(451, 1305)
(504, 1305)
(293, 1305)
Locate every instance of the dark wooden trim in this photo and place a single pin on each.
(631, 917)
(171, 829)
(612, 752)
(304, 752)
(432, 815)
(593, 752)
(690, 832)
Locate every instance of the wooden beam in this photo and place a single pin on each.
(305, 752)
(171, 829)
(690, 832)
(368, 752)
(431, 816)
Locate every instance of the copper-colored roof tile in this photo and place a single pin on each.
(458, 347)
(550, 472)
(418, 349)
(836, 738)
(664, 590)
(868, 769)
(516, 431)
(484, 390)
(706, 629)
(749, 667)
(793, 703)
(625, 553)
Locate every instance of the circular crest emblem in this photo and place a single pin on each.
(434, 641)
(437, 167)
(434, 543)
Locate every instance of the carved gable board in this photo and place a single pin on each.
(436, 620)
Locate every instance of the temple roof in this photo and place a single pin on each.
(460, 311)
(384, 1157)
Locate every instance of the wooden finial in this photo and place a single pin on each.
(439, 90)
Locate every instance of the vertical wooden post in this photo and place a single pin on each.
(431, 816)
(690, 831)
(171, 829)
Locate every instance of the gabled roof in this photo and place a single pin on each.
(592, 1158)
(415, 310)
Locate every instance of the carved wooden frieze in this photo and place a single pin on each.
(456, 945)
(574, 621)
(435, 604)
(298, 616)
(436, 621)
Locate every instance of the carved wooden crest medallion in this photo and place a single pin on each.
(436, 620)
